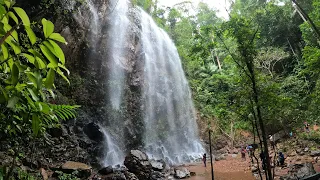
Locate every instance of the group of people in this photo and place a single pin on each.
(249, 149)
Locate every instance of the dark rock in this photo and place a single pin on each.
(115, 176)
(55, 132)
(181, 173)
(130, 176)
(106, 170)
(299, 171)
(158, 165)
(137, 162)
(93, 131)
(33, 164)
(156, 175)
(315, 153)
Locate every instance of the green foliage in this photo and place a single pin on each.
(311, 136)
(64, 176)
(28, 70)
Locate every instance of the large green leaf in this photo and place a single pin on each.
(8, 4)
(5, 51)
(23, 16)
(14, 74)
(50, 47)
(49, 55)
(62, 75)
(33, 79)
(16, 48)
(12, 101)
(63, 67)
(14, 17)
(58, 50)
(50, 79)
(33, 95)
(57, 37)
(3, 11)
(31, 35)
(35, 124)
(30, 58)
(40, 61)
(48, 27)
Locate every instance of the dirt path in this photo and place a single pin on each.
(229, 169)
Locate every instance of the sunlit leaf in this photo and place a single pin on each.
(14, 17)
(59, 52)
(5, 51)
(32, 37)
(50, 79)
(23, 16)
(57, 37)
(48, 27)
(49, 55)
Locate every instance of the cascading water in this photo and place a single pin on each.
(168, 129)
(117, 55)
(171, 130)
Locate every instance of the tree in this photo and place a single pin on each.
(30, 58)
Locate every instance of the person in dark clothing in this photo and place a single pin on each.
(204, 159)
(263, 160)
(280, 159)
(243, 153)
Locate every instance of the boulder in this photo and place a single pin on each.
(138, 163)
(299, 171)
(93, 131)
(83, 169)
(181, 173)
(219, 157)
(315, 153)
(106, 170)
(130, 176)
(158, 165)
(156, 175)
(306, 149)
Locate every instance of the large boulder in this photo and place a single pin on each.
(158, 165)
(138, 163)
(83, 169)
(299, 171)
(315, 153)
(181, 173)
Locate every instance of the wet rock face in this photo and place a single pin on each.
(93, 131)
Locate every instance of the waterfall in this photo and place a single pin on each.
(171, 129)
(167, 126)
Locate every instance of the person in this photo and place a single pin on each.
(307, 125)
(280, 159)
(204, 159)
(243, 153)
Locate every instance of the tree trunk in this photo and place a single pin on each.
(313, 26)
(250, 67)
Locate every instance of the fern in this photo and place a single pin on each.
(64, 112)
